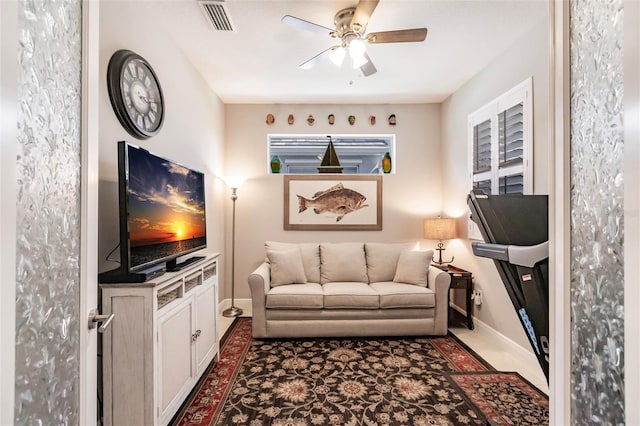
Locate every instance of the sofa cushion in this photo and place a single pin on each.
(350, 295)
(310, 257)
(286, 267)
(382, 259)
(413, 266)
(399, 295)
(342, 262)
(295, 296)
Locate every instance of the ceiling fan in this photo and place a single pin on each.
(351, 24)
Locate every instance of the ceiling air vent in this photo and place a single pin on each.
(216, 14)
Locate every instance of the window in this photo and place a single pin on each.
(500, 145)
(358, 154)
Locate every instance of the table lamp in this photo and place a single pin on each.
(440, 229)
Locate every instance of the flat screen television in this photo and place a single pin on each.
(161, 214)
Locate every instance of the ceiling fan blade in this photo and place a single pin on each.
(306, 25)
(399, 36)
(368, 68)
(316, 59)
(363, 13)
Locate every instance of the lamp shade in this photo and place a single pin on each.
(337, 55)
(440, 229)
(233, 182)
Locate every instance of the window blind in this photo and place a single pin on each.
(511, 136)
(482, 147)
(511, 184)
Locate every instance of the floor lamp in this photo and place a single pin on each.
(234, 183)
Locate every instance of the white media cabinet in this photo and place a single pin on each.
(161, 340)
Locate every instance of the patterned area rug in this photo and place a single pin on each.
(342, 381)
(505, 398)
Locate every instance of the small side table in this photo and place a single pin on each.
(461, 279)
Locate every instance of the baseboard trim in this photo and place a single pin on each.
(459, 309)
(498, 339)
(502, 342)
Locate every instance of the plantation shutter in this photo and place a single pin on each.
(510, 136)
(500, 145)
(482, 156)
(482, 147)
(511, 150)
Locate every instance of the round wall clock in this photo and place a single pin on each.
(135, 94)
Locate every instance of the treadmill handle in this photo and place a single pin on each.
(492, 251)
(528, 255)
(516, 255)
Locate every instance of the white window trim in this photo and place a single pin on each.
(523, 92)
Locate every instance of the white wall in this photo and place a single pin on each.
(526, 57)
(408, 196)
(193, 130)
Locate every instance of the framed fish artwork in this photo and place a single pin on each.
(333, 202)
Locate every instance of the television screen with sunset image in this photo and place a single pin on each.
(166, 208)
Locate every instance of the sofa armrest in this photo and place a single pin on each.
(259, 284)
(439, 281)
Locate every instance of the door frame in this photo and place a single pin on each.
(8, 153)
(560, 379)
(88, 351)
(89, 203)
(559, 211)
(631, 210)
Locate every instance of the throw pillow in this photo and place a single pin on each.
(310, 256)
(286, 267)
(382, 259)
(413, 266)
(342, 262)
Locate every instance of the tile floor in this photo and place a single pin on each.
(501, 360)
(223, 324)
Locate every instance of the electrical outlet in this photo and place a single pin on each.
(477, 297)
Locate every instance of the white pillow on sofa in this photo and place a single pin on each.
(413, 266)
(342, 262)
(286, 267)
(310, 256)
(382, 259)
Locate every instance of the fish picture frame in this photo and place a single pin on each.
(333, 202)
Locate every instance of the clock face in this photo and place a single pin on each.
(135, 94)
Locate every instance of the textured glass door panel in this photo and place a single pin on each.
(48, 213)
(597, 281)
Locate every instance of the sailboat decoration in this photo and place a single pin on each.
(330, 162)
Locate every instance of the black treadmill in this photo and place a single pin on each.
(516, 233)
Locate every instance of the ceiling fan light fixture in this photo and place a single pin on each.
(350, 29)
(337, 55)
(357, 48)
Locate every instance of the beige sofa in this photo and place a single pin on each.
(348, 289)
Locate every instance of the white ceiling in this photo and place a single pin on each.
(258, 62)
